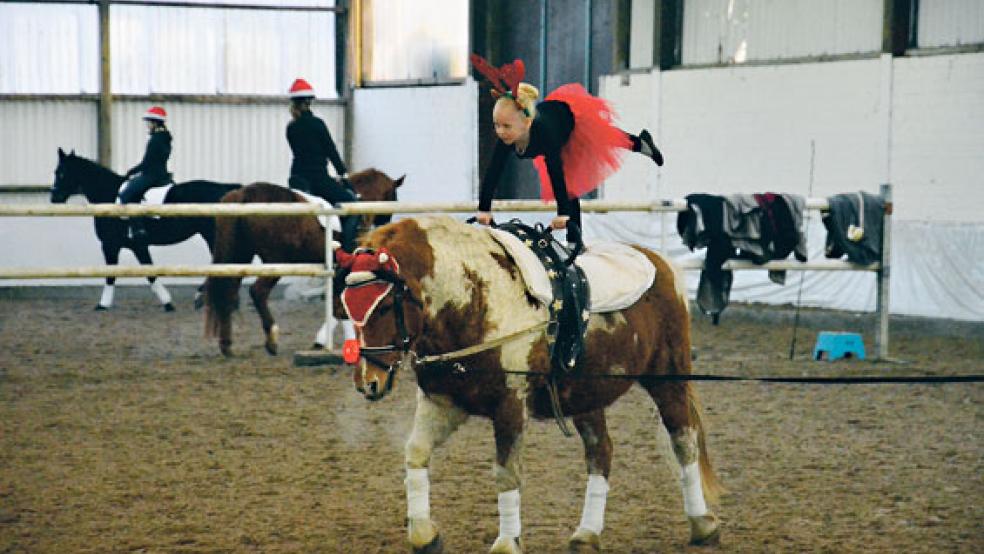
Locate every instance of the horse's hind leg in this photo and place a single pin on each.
(143, 255)
(111, 252)
(593, 429)
(433, 422)
(680, 413)
(260, 293)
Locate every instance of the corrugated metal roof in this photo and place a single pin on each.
(950, 22)
(738, 31)
(231, 143)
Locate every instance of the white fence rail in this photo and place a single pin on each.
(367, 208)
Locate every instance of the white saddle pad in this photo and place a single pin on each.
(336, 224)
(618, 275)
(154, 196)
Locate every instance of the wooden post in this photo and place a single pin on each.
(623, 22)
(898, 27)
(329, 289)
(104, 127)
(884, 275)
(668, 28)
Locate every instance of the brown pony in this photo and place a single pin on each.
(278, 239)
(454, 288)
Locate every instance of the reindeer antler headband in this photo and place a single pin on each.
(505, 79)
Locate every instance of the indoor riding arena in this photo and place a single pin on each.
(754, 322)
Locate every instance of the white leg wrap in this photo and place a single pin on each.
(348, 329)
(418, 494)
(509, 525)
(593, 516)
(693, 495)
(161, 292)
(322, 336)
(106, 300)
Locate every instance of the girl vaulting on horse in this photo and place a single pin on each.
(151, 171)
(313, 148)
(570, 135)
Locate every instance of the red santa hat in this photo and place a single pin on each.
(155, 113)
(364, 290)
(301, 89)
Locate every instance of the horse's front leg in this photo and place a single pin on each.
(143, 255)
(593, 429)
(434, 421)
(508, 423)
(260, 293)
(111, 253)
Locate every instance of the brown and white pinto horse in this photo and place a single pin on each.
(455, 288)
(278, 239)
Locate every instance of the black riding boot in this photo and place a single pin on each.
(350, 232)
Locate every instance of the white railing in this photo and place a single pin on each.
(368, 208)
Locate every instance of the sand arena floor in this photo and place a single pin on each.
(126, 431)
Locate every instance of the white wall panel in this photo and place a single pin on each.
(641, 33)
(428, 133)
(210, 51)
(48, 49)
(744, 129)
(950, 22)
(736, 31)
(938, 138)
(32, 131)
(228, 143)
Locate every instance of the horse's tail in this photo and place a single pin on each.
(708, 479)
(231, 245)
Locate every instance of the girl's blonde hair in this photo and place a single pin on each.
(526, 96)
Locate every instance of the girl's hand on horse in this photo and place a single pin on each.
(484, 218)
(559, 222)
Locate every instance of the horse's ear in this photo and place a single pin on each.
(398, 182)
(61, 153)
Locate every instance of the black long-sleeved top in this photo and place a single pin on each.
(312, 146)
(154, 163)
(551, 128)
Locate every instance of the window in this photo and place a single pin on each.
(414, 41)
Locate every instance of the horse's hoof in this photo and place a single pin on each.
(506, 545)
(273, 337)
(199, 301)
(101, 308)
(435, 546)
(584, 542)
(705, 530)
(317, 346)
(271, 348)
(226, 350)
(168, 307)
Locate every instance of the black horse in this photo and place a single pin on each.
(78, 175)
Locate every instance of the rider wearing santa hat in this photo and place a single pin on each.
(151, 171)
(313, 147)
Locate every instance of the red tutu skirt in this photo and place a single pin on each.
(594, 149)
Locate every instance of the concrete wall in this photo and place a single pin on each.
(428, 133)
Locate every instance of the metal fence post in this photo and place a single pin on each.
(329, 287)
(884, 275)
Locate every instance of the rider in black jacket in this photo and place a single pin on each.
(313, 148)
(151, 171)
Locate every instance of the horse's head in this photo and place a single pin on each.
(384, 297)
(66, 178)
(387, 310)
(374, 186)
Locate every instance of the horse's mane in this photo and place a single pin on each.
(93, 170)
